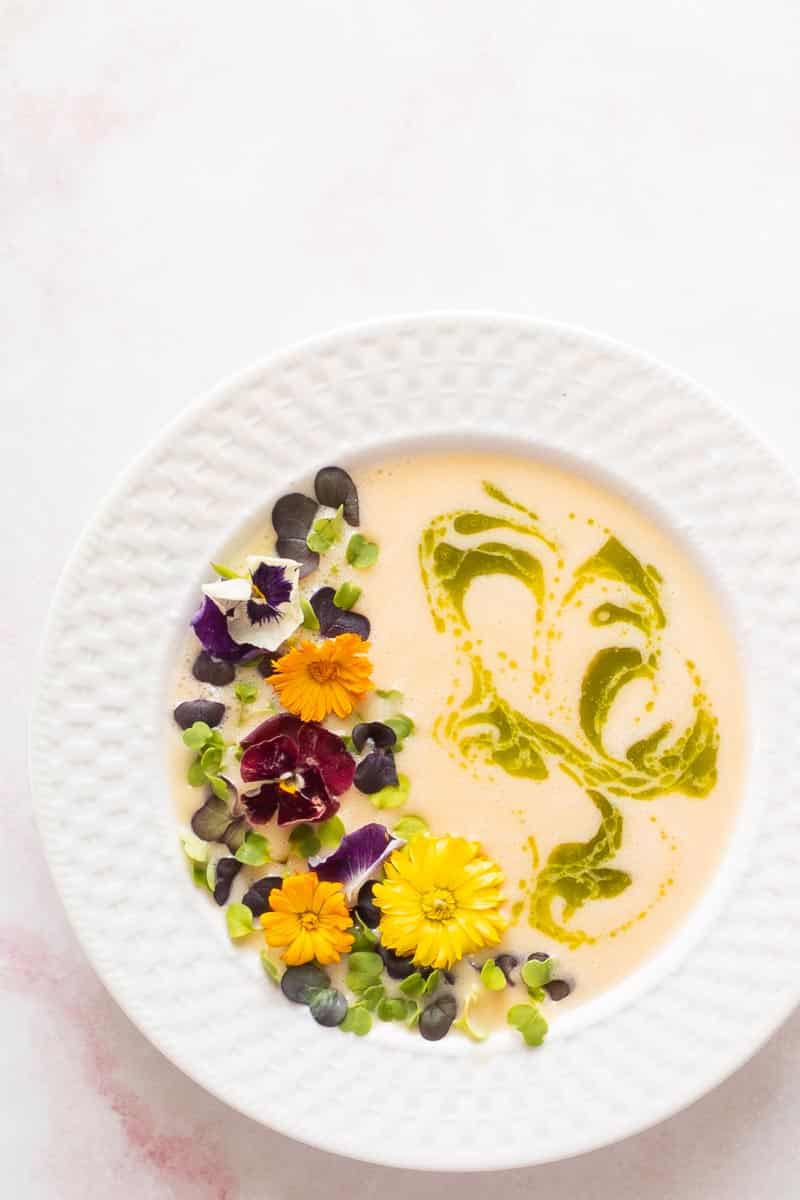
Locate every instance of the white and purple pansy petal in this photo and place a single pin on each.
(357, 858)
(261, 609)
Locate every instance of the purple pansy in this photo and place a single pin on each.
(359, 855)
(301, 766)
(211, 627)
(271, 588)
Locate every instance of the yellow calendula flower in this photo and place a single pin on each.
(310, 919)
(318, 678)
(440, 900)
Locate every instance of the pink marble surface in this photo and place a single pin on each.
(185, 187)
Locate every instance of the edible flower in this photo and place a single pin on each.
(260, 609)
(440, 900)
(316, 679)
(309, 919)
(301, 766)
(358, 857)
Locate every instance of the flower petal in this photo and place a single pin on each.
(310, 803)
(325, 750)
(269, 759)
(211, 628)
(358, 856)
(262, 805)
(284, 723)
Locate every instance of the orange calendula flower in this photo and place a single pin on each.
(440, 900)
(310, 919)
(318, 678)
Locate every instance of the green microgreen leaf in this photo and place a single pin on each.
(393, 696)
(195, 776)
(219, 787)
(492, 977)
(326, 532)
(197, 735)
(211, 760)
(530, 1023)
(535, 973)
(401, 724)
(330, 832)
(392, 797)
(431, 983)
(254, 851)
(199, 874)
(357, 1021)
(245, 693)
(303, 841)
(413, 985)
(395, 1008)
(408, 826)
(364, 969)
(361, 552)
(270, 968)
(464, 1023)
(310, 620)
(225, 572)
(239, 920)
(211, 876)
(346, 595)
(372, 996)
(195, 850)
(364, 938)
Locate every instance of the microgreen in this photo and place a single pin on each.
(392, 797)
(408, 826)
(492, 977)
(364, 938)
(392, 696)
(326, 532)
(535, 973)
(395, 1008)
(364, 969)
(246, 693)
(357, 1021)
(346, 595)
(530, 1023)
(239, 920)
(310, 619)
(200, 874)
(270, 968)
(303, 841)
(330, 832)
(195, 850)
(254, 851)
(418, 985)
(464, 1024)
(402, 726)
(372, 996)
(328, 1007)
(361, 552)
(225, 572)
(209, 747)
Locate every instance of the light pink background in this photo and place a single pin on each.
(185, 187)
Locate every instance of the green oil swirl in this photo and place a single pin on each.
(484, 727)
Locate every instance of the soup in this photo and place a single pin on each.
(563, 690)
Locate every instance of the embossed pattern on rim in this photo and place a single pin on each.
(633, 1058)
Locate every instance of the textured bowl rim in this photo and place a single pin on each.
(429, 325)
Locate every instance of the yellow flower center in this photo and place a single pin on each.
(322, 672)
(438, 904)
(309, 920)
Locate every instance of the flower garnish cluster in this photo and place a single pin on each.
(404, 911)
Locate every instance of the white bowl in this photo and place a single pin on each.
(670, 1032)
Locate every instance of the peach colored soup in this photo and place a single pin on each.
(580, 713)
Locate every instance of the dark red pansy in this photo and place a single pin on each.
(302, 768)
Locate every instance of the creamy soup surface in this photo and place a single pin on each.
(576, 694)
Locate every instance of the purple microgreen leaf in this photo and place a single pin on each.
(334, 620)
(296, 548)
(211, 820)
(376, 772)
(357, 858)
(381, 735)
(209, 712)
(226, 871)
(292, 516)
(257, 895)
(334, 487)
